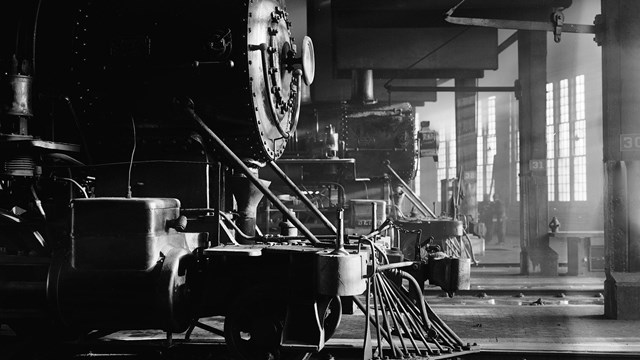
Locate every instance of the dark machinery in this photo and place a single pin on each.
(131, 136)
(362, 161)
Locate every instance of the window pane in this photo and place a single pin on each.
(518, 165)
(442, 174)
(564, 101)
(489, 169)
(480, 151)
(550, 104)
(579, 143)
(442, 164)
(518, 181)
(564, 184)
(551, 179)
(491, 116)
(580, 178)
(564, 140)
(491, 141)
(452, 155)
(480, 167)
(580, 102)
(551, 142)
(480, 184)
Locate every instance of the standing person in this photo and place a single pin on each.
(501, 217)
(486, 217)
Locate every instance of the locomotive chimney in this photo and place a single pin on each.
(362, 87)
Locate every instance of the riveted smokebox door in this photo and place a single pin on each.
(119, 233)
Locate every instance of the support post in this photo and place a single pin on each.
(467, 146)
(536, 256)
(621, 104)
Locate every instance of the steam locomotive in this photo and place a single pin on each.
(131, 137)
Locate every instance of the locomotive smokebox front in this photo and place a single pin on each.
(235, 61)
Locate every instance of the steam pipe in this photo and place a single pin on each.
(276, 169)
(245, 170)
(339, 250)
(362, 86)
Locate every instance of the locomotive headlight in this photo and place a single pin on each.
(307, 59)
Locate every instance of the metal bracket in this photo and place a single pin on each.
(557, 18)
(556, 25)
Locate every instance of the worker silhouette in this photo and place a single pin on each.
(500, 217)
(485, 210)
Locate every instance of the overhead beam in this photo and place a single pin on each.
(423, 14)
(418, 73)
(469, 89)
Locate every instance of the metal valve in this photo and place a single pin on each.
(339, 250)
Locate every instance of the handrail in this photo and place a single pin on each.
(276, 169)
(424, 209)
(216, 141)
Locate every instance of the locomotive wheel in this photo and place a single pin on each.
(252, 330)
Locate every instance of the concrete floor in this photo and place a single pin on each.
(502, 312)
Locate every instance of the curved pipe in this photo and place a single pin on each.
(84, 192)
(65, 157)
(423, 309)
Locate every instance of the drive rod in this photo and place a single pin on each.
(302, 197)
(246, 171)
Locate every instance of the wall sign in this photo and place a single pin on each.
(629, 142)
(537, 165)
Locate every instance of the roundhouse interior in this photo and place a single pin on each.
(320, 179)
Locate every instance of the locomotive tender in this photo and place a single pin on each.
(128, 131)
